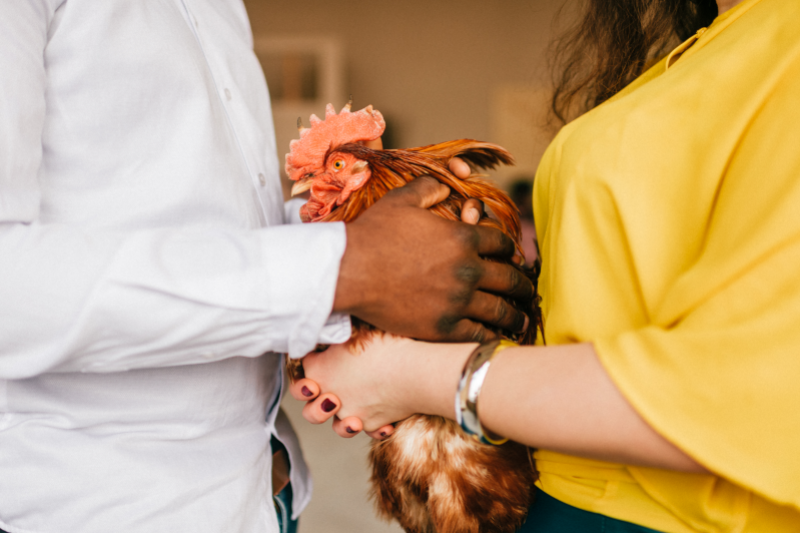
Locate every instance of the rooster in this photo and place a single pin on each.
(428, 475)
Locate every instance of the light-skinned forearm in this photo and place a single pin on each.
(559, 398)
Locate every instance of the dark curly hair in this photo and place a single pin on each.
(614, 42)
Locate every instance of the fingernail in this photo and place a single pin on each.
(350, 430)
(306, 391)
(383, 433)
(328, 405)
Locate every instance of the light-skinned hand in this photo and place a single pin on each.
(380, 384)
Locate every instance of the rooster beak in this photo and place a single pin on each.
(302, 186)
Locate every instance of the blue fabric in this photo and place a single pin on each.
(549, 515)
(283, 500)
(283, 504)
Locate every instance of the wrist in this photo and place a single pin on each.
(349, 292)
(469, 389)
(441, 367)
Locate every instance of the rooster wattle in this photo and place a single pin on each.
(428, 475)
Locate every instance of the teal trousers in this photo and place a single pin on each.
(549, 515)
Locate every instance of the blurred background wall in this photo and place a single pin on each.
(437, 70)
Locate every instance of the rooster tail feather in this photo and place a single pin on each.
(478, 154)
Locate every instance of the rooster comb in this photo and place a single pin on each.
(307, 154)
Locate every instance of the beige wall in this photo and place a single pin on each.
(435, 68)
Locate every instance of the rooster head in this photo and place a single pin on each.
(314, 163)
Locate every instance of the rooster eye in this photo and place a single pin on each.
(338, 164)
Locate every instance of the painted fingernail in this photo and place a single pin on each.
(328, 405)
(383, 434)
(306, 391)
(350, 430)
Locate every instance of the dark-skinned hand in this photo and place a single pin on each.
(414, 274)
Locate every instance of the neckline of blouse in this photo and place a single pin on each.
(704, 35)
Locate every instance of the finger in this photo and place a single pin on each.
(466, 330)
(422, 192)
(321, 409)
(375, 144)
(460, 168)
(381, 433)
(304, 389)
(494, 243)
(506, 280)
(472, 211)
(493, 310)
(347, 427)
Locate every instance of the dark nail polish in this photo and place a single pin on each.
(350, 430)
(383, 434)
(306, 391)
(328, 405)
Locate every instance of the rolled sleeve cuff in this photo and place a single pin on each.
(336, 330)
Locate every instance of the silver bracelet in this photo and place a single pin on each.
(469, 389)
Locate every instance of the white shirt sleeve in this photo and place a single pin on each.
(73, 300)
(83, 298)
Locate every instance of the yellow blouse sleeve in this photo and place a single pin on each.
(727, 364)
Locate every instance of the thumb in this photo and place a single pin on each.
(422, 192)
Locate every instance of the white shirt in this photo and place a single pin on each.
(144, 270)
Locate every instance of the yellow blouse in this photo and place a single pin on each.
(669, 220)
